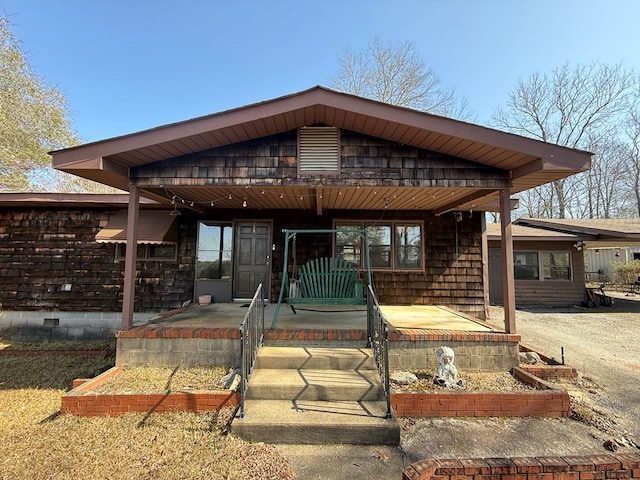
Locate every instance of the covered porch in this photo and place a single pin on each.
(328, 160)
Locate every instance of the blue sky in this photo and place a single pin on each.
(128, 65)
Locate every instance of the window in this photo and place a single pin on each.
(554, 265)
(526, 266)
(214, 251)
(393, 245)
(148, 251)
(318, 150)
(408, 246)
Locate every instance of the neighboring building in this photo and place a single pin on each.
(554, 258)
(231, 182)
(548, 266)
(607, 241)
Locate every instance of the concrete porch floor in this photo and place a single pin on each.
(310, 317)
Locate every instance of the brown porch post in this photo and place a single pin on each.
(485, 266)
(508, 285)
(130, 258)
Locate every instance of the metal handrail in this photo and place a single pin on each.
(378, 341)
(251, 338)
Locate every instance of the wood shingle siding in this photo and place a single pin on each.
(365, 161)
(43, 249)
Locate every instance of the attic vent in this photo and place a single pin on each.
(318, 149)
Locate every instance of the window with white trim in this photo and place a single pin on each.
(553, 265)
(392, 245)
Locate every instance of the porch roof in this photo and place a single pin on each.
(529, 162)
(598, 232)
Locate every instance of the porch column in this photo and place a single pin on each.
(485, 266)
(130, 258)
(508, 281)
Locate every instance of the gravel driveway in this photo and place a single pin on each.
(603, 343)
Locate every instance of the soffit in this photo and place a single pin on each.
(532, 162)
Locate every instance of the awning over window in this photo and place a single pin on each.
(153, 227)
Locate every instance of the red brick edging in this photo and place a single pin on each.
(546, 402)
(73, 353)
(82, 401)
(586, 467)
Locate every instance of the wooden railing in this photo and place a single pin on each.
(378, 341)
(251, 338)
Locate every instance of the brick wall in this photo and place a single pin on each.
(588, 467)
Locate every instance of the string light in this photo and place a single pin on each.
(177, 199)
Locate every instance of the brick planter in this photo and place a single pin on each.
(549, 370)
(527, 468)
(83, 401)
(546, 402)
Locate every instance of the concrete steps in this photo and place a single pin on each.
(316, 396)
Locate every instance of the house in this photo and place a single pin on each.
(318, 159)
(555, 258)
(607, 241)
(548, 266)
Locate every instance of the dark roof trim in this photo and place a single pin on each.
(596, 228)
(37, 199)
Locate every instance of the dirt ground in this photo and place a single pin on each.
(602, 343)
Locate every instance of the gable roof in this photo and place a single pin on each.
(530, 162)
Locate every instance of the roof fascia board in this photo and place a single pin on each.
(176, 131)
(455, 128)
(578, 230)
(548, 164)
(320, 96)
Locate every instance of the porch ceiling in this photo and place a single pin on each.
(530, 162)
(325, 198)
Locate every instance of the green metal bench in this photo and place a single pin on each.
(327, 281)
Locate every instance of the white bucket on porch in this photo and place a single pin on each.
(204, 299)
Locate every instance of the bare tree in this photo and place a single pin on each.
(573, 107)
(606, 189)
(398, 76)
(632, 133)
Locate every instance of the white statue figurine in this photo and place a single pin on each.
(447, 375)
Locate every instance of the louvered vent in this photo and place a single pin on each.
(318, 149)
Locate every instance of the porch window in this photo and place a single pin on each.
(214, 251)
(392, 245)
(408, 247)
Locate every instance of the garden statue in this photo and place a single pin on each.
(447, 375)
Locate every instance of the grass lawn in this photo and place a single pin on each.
(37, 443)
